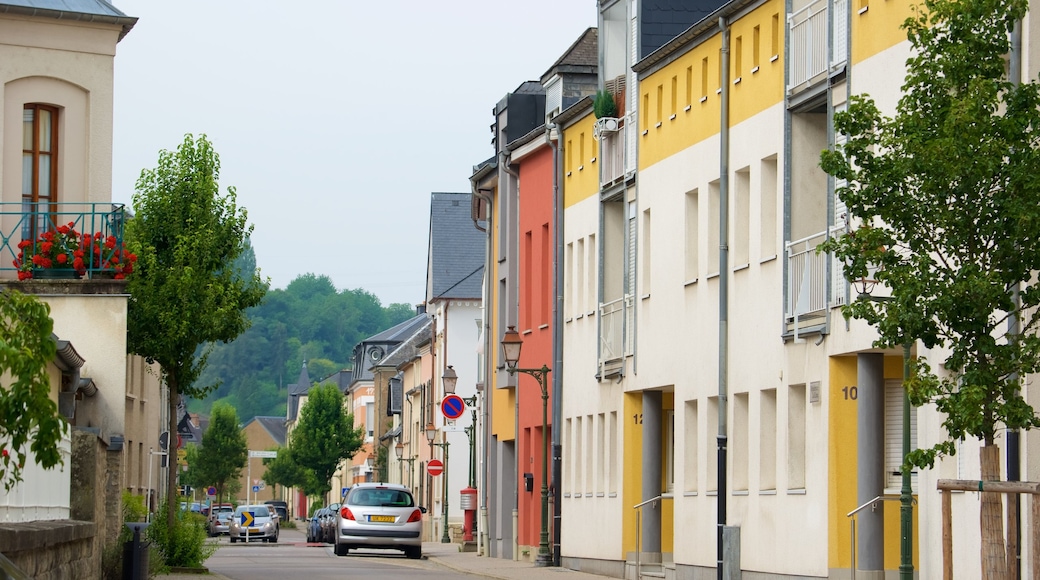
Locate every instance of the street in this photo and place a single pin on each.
(293, 557)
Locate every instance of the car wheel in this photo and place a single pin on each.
(233, 539)
(341, 549)
(274, 539)
(413, 552)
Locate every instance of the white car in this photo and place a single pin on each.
(379, 515)
(264, 524)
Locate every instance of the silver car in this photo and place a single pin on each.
(379, 515)
(264, 524)
(220, 519)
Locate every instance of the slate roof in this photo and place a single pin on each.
(300, 387)
(455, 263)
(581, 55)
(88, 10)
(275, 427)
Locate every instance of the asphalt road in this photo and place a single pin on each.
(291, 557)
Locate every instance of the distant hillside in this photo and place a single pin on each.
(309, 320)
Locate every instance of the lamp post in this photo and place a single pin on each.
(906, 498)
(399, 452)
(511, 344)
(431, 434)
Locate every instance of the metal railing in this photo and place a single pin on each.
(872, 504)
(639, 528)
(806, 277)
(615, 338)
(27, 221)
(808, 33)
(612, 154)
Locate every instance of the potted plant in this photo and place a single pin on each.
(55, 253)
(604, 105)
(108, 256)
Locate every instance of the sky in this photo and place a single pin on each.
(334, 119)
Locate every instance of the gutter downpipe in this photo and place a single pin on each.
(482, 521)
(503, 163)
(557, 345)
(1013, 440)
(723, 293)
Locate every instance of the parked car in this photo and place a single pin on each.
(281, 507)
(220, 518)
(379, 515)
(264, 526)
(314, 527)
(328, 523)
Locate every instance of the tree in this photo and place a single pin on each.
(185, 291)
(224, 450)
(948, 195)
(324, 436)
(28, 416)
(283, 470)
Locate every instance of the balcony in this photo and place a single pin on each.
(27, 221)
(807, 281)
(616, 319)
(808, 33)
(613, 147)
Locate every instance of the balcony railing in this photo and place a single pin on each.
(806, 278)
(807, 29)
(26, 221)
(613, 145)
(616, 320)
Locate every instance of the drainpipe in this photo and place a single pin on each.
(503, 163)
(723, 290)
(557, 342)
(482, 521)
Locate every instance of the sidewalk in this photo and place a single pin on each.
(449, 556)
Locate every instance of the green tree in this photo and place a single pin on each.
(185, 291)
(224, 451)
(28, 416)
(948, 191)
(324, 436)
(283, 470)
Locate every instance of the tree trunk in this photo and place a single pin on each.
(991, 519)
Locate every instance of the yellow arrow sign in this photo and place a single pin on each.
(247, 519)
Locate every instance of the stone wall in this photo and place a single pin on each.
(61, 549)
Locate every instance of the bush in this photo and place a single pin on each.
(134, 510)
(184, 545)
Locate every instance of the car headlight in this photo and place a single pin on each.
(268, 526)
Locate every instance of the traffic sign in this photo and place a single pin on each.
(211, 491)
(264, 454)
(453, 406)
(256, 488)
(247, 519)
(435, 467)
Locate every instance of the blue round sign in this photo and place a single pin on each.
(453, 406)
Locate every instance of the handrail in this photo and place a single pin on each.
(639, 528)
(852, 523)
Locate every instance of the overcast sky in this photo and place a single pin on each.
(333, 119)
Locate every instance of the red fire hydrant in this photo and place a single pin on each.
(468, 502)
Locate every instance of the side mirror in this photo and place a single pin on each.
(422, 509)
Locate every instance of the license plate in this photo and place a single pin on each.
(389, 519)
(254, 530)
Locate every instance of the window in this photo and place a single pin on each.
(692, 230)
(646, 253)
(39, 162)
(767, 441)
(739, 442)
(669, 451)
(775, 39)
(675, 95)
(545, 289)
(714, 213)
(767, 207)
(756, 48)
(741, 233)
(738, 58)
(660, 103)
(691, 442)
(796, 437)
(689, 85)
(704, 78)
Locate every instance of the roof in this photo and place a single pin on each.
(300, 387)
(275, 427)
(84, 10)
(581, 55)
(402, 330)
(455, 263)
(409, 349)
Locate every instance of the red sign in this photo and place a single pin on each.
(453, 406)
(435, 467)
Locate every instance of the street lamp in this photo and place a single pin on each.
(906, 524)
(431, 434)
(511, 345)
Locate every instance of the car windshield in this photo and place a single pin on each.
(380, 497)
(259, 511)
